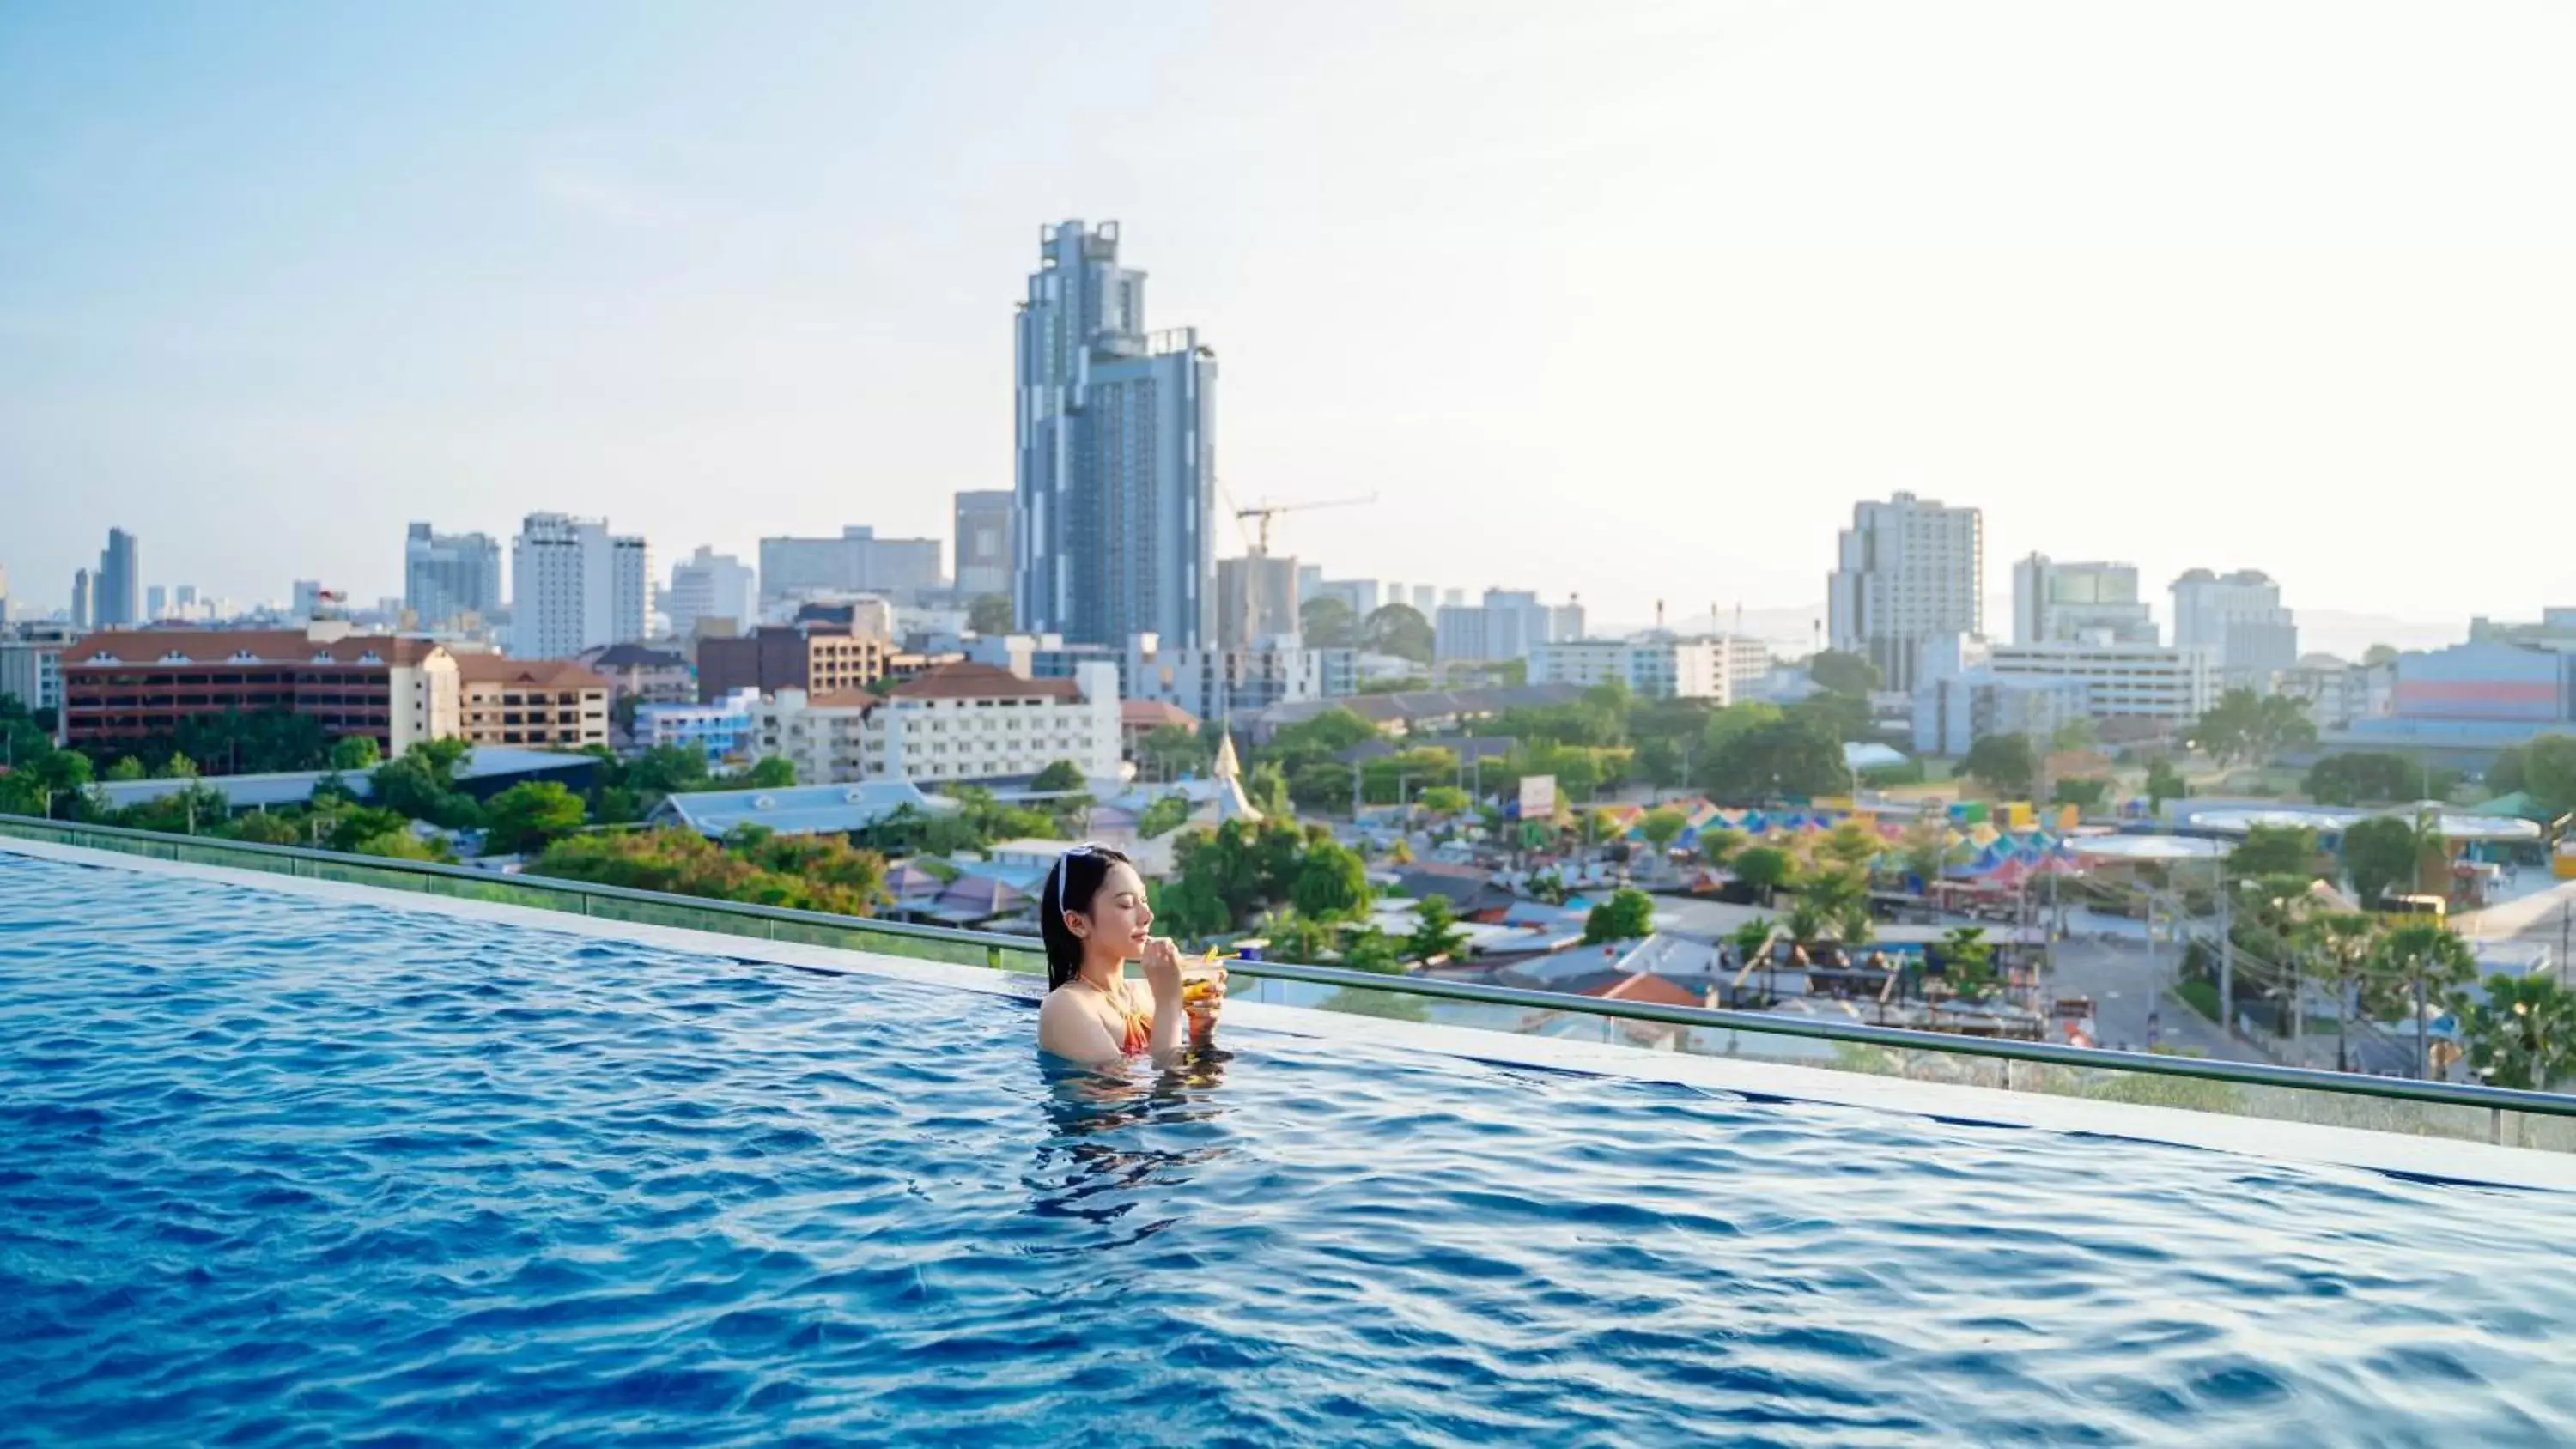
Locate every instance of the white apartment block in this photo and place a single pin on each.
(2133, 681)
(576, 586)
(711, 585)
(959, 722)
(1719, 670)
(1908, 570)
(1215, 684)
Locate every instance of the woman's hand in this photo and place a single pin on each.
(1163, 969)
(1203, 996)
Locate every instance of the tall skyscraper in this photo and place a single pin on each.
(2063, 603)
(575, 586)
(2239, 618)
(156, 602)
(1909, 570)
(1116, 462)
(305, 599)
(84, 600)
(448, 576)
(711, 585)
(119, 583)
(984, 543)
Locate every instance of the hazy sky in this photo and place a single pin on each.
(1630, 301)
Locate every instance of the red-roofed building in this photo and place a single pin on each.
(136, 684)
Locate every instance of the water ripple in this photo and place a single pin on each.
(280, 1171)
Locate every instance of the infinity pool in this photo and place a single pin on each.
(277, 1170)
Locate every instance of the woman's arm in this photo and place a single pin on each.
(1074, 1034)
(1170, 1040)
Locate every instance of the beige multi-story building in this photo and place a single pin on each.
(533, 703)
(1719, 670)
(956, 722)
(813, 657)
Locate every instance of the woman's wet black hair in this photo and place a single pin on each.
(1071, 886)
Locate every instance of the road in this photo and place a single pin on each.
(2126, 984)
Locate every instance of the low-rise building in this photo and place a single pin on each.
(2159, 682)
(723, 729)
(1219, 683)
(1720, 670)
(2468, 701)
(644, 674)
(955, 722)
(539, 703)
(1951, 714)
(815, 656)
(31, 663)
(136, 684)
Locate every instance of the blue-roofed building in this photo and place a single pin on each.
(796, 809)
(722, 729)
(484, 772)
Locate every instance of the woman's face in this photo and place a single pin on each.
(1118, 915)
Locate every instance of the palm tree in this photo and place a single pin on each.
(2523, 1034)
(2340, 941)
(2423, 956)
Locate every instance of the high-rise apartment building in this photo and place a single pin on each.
(305, 599)
(2061, 603)
(119, 583)
(2239, 619)
(156, 602)
(711, 585)
(1909, 570)
(84, 600)
(1116, 450)
(1509, 624)
(984, 542)
(449, 578)
(856, 562)
(1256, 598)
(575, 586)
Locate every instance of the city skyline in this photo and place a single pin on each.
(2316, 280)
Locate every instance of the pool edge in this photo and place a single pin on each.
(2425, 1158)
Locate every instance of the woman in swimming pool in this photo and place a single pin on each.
(1094, 917)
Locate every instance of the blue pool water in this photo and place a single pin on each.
(276, 1170)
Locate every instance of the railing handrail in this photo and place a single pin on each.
(2501, 1099)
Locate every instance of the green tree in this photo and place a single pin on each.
(47, 781)
(420, 786)
(1267, 788)
(1662, 827)
(1839, 895)
(989, 614)
(1331, 883)
(1843, 673)
(2374, 778)
(1400, 630)
(668, 770)
(126, 768)
(2082, 794)
(2164, 783)
(1371, 949)
(1170, 751)
(2417, 964)
(351, 828)
(2004, 764)
(2271, 850)
(1167, 814)
(1763, 869)
(1850, 845)
(265, 828)
(1784, 758)
(2523, 1034)
(1443, 800)
(1435, 930)
(178, 767)
(1629, 915)
(354, 752)
(2336, 944)
(769, 772)
(1060, 776)
(2245, 726)
(401, 845)
(1750, 938)
(1968, 959)
(1838, 717)
(2548, 767)
(1717, 844)
(2379, 853)
(1327, 623)
(528, 817)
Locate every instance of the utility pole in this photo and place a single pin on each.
(2226, 960)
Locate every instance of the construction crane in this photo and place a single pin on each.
(1268, 511)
